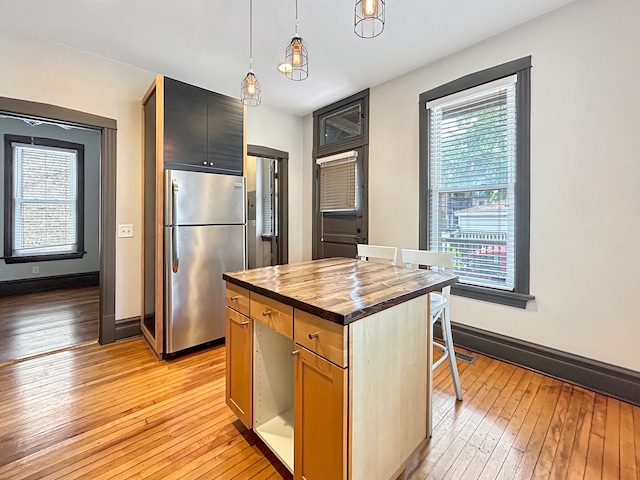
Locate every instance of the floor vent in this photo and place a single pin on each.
(465, 358)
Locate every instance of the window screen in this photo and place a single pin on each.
(472, 148)
(338, 183)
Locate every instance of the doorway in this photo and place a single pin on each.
(340, 184)
(266, 170)
(105, 129)
(49, 188)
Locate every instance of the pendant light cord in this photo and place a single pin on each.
(251, 35)
(296, 17)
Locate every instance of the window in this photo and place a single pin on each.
(267, 185)
(475, 180)
(341, 125)
(44, 192)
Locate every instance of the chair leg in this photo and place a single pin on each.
(448, 341)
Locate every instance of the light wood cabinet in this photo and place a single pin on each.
(332, 400)
(272, 313)
(237, 298)
(320, 418)
(239, 345)
(327, 339)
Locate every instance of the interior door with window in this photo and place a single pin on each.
(340, 153)
(341, 203)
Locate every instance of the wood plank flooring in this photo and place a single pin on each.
(115, 412)
(38, 323)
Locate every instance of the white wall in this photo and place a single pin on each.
(269, 127)
(90, 262)
(585, 172)
(40, 71)
(36, 70)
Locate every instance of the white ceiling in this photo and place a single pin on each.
(206, 42)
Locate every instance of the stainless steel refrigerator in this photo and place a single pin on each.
(204, 236)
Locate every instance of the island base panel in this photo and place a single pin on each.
(388, 382)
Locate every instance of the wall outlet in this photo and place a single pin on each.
(125, 231)
(35, 270)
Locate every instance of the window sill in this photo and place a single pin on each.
(44, 258)
(501, 297)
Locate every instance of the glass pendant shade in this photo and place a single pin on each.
(369, 18)
(296, 60)
(250, 90)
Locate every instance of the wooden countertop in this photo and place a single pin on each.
(341, 290)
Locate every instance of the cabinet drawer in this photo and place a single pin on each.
(327, 339)
(237, 298)
(273, 314)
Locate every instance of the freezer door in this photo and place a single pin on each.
(195, 259)
(195, 198)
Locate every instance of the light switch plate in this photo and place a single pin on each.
(125, 231)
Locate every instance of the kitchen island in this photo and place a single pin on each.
(329, 363)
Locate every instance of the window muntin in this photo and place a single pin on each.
(472, 173)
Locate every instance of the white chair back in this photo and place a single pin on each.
(416, 258)
(378, 253)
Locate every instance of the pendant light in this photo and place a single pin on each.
(296, 60)
(369, 18)
(250, 90)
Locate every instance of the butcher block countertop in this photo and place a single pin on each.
(341, 290)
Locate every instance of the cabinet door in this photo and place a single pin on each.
(225, 134)
(239, 366)
(185, 124)
(320, 418)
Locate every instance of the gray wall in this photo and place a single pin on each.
(91, 140)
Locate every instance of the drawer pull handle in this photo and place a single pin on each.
(236, 297)
(313, 335)
(266, 312)
(244, 324)
(295, 352)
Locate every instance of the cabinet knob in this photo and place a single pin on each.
(244, 324)
(313, 335)
(235, 297)
(266, 312)
(295, 352)
(205, 163)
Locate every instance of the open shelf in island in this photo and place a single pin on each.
(273, 392)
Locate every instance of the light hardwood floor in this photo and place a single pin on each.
(115, 412)
(38, 323)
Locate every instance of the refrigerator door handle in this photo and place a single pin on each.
(175, 260)
(175, 250)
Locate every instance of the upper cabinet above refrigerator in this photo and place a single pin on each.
(203, 130)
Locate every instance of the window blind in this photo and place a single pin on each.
(44, 200)
(267, 194)
(472, 153)
(338, 183)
